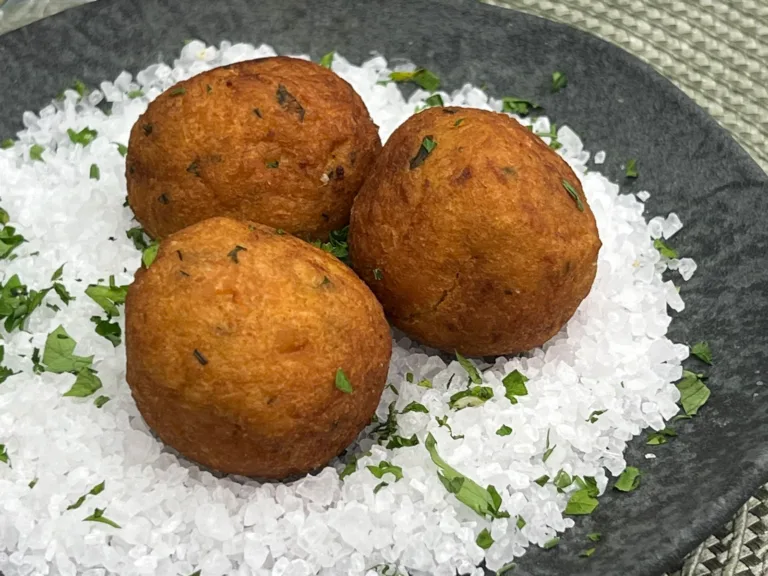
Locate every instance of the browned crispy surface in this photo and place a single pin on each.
(258, 397)
(279, 141)
(481, 248)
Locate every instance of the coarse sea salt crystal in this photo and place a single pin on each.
(672, 225)
(177, 518)
(643, 195)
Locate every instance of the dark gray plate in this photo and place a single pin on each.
(615, 103)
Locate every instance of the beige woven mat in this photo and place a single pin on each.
(716, 51)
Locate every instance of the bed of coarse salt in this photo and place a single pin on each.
(175, 518)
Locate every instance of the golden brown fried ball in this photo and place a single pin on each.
(234, 338)
(279, 141)
(467, 233)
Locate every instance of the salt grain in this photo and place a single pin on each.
(177, 519)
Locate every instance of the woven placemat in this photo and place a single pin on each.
(716, 51)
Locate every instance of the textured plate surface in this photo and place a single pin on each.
(615, 103)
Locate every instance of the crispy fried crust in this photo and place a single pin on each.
(480, 247)
(280, 141)
(233, 363)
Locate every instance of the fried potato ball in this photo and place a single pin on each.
(279, 141)
(251, 351)
(473, 234)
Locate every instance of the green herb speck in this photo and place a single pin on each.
(342, 382)
(559, 81)
(574, 194)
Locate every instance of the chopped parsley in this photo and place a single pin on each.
(79, 87)
(385, 467)
(703, 352)
(33, 483)
(232, 255)
(342, 382)
(401, 442)
(504, 430)
(273, 164)
(551, 543)
(458, 122)
(349, 468)
(4, 455)
(135, 94)
(587, 553)
(6, 144)
(63, 293)
(136, 235)
(631, 168)
(594, 536)
(98, 516)
(4, 217)
(415, 407)
(425, 149)
(36, 152)
(664, 249)
(108, 297)
(59, 357)
(100, 401)
(520, 523)
(58, 273)
(434, 100)
(559, 81)
(85, 385)
(595, 415)
(96, 490)
(542, 480)
(180, 91)
(149, 254)
(5, 372)
(471, 397)
(474, 375)
(693, 392)
(485, 501)
(337, 244)
(17, 303)
(327, 60)
(379, 486)
(289, 103)
(84, 137)
(514, 383)
(409, 377)
(9, 241)
(548, 450)
(518, 106)
(660, 437)
(584, 500)
(484, 539)
(421, 77)
(194, 168)
(554, 143)
(562, 480)
(199, 357)
(121, 148)
(109, 330)
(444, 422)
(377, 274)
(628, 480)
(425, 383)
(573, 194)
(385, 430)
